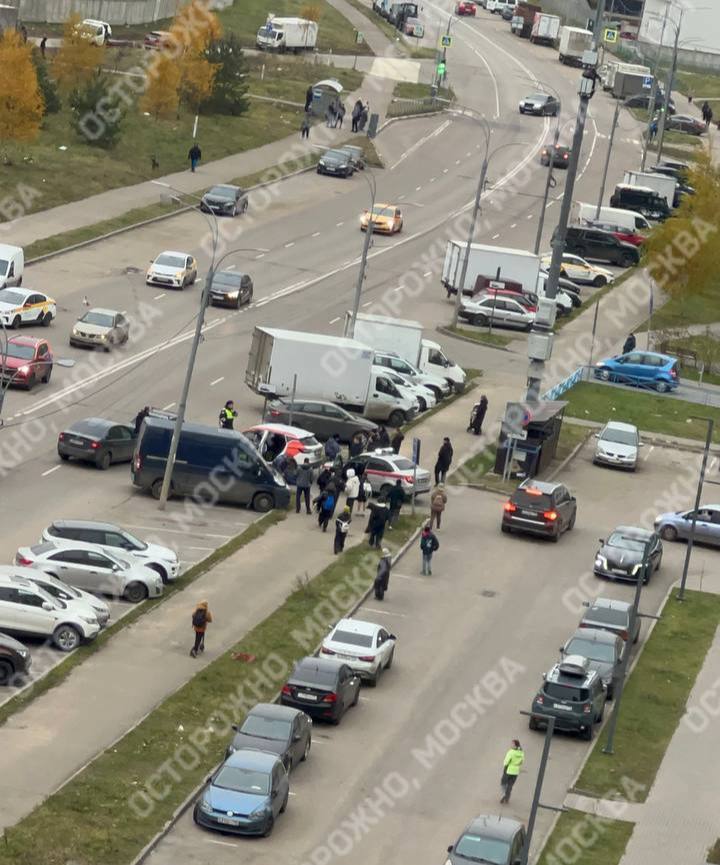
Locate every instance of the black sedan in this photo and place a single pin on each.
(642, 100)
(225, 200)
(320, 417)
(231, 288)
(278, 729)
(98, 441)
(336, 162)
(621, 556)
(560, 155)
(322, 688)
(15, 661)
(540, 103)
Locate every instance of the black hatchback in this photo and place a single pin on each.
(322, 687)
(231, 288)
(573, 694)
(98, 441)
(540, 508)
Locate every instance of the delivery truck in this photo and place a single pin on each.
(545, 29)
(287, 34)
(405, 338)
(574, 42)
(324, 367)
(663, 185)
(628, 83)
(523, 17)
(609, 71)
(488, 263)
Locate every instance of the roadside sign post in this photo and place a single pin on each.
(292, 400)
(416, 461)
(647, 82)
(610, 35)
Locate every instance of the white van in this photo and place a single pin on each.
(628, 219)
(97, 32)
(12, 264)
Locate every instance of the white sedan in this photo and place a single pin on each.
(23, 306)
(172, 270)
(364, 646)
(580, 271)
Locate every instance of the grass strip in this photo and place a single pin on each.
(586, 838)
(138, 215)
(596, 296)
(483, 337)
(713, 855)
(472, 380)
(58, 674)
(114, 833)
(650, 412)
(655, 698)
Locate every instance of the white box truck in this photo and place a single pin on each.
(327, 367)
(609, 71)
(287, 34)
(545, 29)
(12, 264)
(488, 263)
(628, 219)
(405, 338)
(574, 42)
(661, 183)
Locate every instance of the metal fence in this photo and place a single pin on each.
(409, 107)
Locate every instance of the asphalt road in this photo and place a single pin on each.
(477, 635)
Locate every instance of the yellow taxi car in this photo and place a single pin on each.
(578, 270)
(25, 306)
(386, 219)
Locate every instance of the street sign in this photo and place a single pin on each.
(446, 40)
(359, 37)
(520, 435)
(416, 451)
(610, 35)
(647, 82)
(418, 31)
(517, 417)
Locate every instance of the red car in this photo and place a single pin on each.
(464, 7)
(630, 237)
(28, 361)
(526, 299)
(158, 39)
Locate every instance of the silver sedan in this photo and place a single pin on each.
(101, 328)
(677, 525)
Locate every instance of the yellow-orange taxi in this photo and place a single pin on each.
(386, 219)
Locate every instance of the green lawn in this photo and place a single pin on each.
(697, 308)
(113, 833)
(597, 295)
(406, 42)
(713, 856)
(409, 90)
(652, 413)
(701, 85)
(484, 336)
(654, 701)
(586, 839)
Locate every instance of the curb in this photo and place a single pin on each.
(447, 332)
(570, 457)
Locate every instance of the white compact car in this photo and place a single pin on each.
(617, 445)
(73, 597)
(364, 646)
(438, 385)
(172, 270)
(580, 271)
(27, 610)
(23, 306)
(421, 392)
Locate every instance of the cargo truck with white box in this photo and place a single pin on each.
(287, 34)
(545, 29)
(327, 367)
(574, 42)
(661, 183)
(405, 338)
(489, 262)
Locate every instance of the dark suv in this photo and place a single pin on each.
(540, 508)
(641, 199)
(573, 694)
(593, 243)
(15, 661)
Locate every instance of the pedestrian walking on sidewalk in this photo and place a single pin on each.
(352, 488)
(43, 45)
(396, 499)
(194, 155)
(364, 494)
(379, 513)
(444, 461)
(303, 482)
(324, 478)
(342, 526)
(305, 127)
(326, 505)
(629, 344)
(332, 447)
(201, 618)
(382, 577)
(478, 416)
(396, 441)
(340, 115)
(140, 417)
(512, 763)
(356, 112)
(428, 545)
(438, 500)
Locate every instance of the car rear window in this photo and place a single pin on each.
(525, 499)
(314, 676)
(351, 639)
(404, 465)
(607, 616)
(45, 547)
(309, 441)
(482, 849)
(566, 692)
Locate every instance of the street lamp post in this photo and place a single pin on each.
(350, 324)
(698, 495)
(653, 92)
(549, 731)
(669, 85)
(606, 168)
(549, 183)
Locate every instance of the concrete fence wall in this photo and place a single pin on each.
(112, 11)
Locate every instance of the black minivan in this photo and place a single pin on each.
(212, 465)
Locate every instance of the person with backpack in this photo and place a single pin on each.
(379, 513)
(438, 500)
(201, 618)
(396, 499)
(428, 545)
(326, 505)
(342, 526)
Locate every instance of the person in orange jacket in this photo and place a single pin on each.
(201, 618)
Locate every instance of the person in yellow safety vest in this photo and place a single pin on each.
(227, 415)
(514, 759)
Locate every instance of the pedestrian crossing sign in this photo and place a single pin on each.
(446, 40)
(610, 35)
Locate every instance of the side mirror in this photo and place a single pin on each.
(450, 849)
(297, 737)
(392, 637)
(562, 650)
(47, 605)
(602, 540)
(235, 727)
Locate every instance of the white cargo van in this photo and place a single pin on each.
(12, 264)
(628, 219)
(97, 32)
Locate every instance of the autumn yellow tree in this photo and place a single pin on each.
(162, 94)
(21, 102)
(77, 60)
(311, 12)
(193, 29)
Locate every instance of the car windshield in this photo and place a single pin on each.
(226, 279)
(591, 650)
(364, 640)
(103, 319)
(481, 849)
(538, 96)
(165, 260)
(23, 352)
(4, 264)
(383, 211)
(242, 780)
(136, 543)
(337, 154)
(13, 298)
(618, 539)
(267, 728)
(222, 191)
(324, 678)
(620, 436)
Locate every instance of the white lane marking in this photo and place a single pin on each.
(290, 793)
(315, 234)
(230, 267)
(445, 170)
(433, 179)
(210, 549)
(400, 197)
(652, 448)
(261, 255)
(457, 162)
(288, 245)
(158, 296)
(468, 153)
(385, 612)
(419, 143)
(334, 320)
(50, 471)
(177, 531)
(404, 577)
(168, 406)
(530, 216)
(427, 273)
(338, 224)
(221, 843)
(217, 381)
(495, 236)
(367, 303)
(514, 225)
(418, 188)
(399, 288)
(592, 147)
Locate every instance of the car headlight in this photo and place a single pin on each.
(75, 331)
(261, 811)
(91, 620)
(102, 337)
(205, 807)
(24, 370)
(600, 562)
(636, 569)
(322, 162)
(233, 294)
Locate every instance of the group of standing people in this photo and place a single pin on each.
(335, 114)
(360, 114)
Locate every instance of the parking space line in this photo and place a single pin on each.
(384, 612)
(418, 188)
(223, 843)
(230, 267)
(427, 273)
(652, 448)
(217, 381)
(262, 255)
(445, 170)
(315, 234)
(514, 225)
(367, 303)
(174, 531)
(529, 216)
(399, 288)
(495, 236)
(168, 406)
(289, 244)
(158, 296)
(334, 320)
(338, 224)
(49, 471)
(433, 179)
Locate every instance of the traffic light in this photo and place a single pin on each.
(441, 69)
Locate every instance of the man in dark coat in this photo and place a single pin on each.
(140, 417)
(308, 98)
(478, 416)
(396, 441)
(382, 577)
(303, 482)
(444, 460)
(194, 155)
(629, 344)
(396, 497)
(379, 513)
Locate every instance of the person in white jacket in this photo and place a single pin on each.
(352, 488)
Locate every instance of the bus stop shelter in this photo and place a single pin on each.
(533, 450)
(324, 93)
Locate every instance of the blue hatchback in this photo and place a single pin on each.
(643, 368)
(245, 795)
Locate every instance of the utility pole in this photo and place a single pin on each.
(669, 86)
(471, 234)
(350, 331)
(616, 116)
(550, 729)
(698, 495)
(548, 186)
(587, 89)
(653, 92)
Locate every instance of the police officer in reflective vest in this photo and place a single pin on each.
(227, 415)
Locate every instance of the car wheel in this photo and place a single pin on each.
(64, 457)
(46, 319)
(659, 564)
(135, 593)
(30, 383)
(234, 211)
(270, 827)
(158, 570)
(385, 490)
(604, 374)
(505, 529)
(599, 281)
(627, 261)
(479, 320)
(669, 533)
(156, 489)
(556, 536)
(357, 697)
(66, 638)
(422, 405)
(397, 418)
(104, 462)
(588, 733)
(571, 524)
(662, 387)
(245, 206)
(263, 502)
(306, 752)
(16, 322)
(372, 683)
(7, 671)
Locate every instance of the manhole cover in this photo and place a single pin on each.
(488, 593)
(129, 270)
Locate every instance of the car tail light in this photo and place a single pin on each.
(624, 634)
(61, 437)
(21, 560)
(327, 651)
(540, 699)
(138, 462)
(509, 507)
(408, 479)
(565, 155)
(586, 710)
(550, 515)
(330, 698)
(274, 412)
(368, 658)
(287, 690)
(673, 373)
